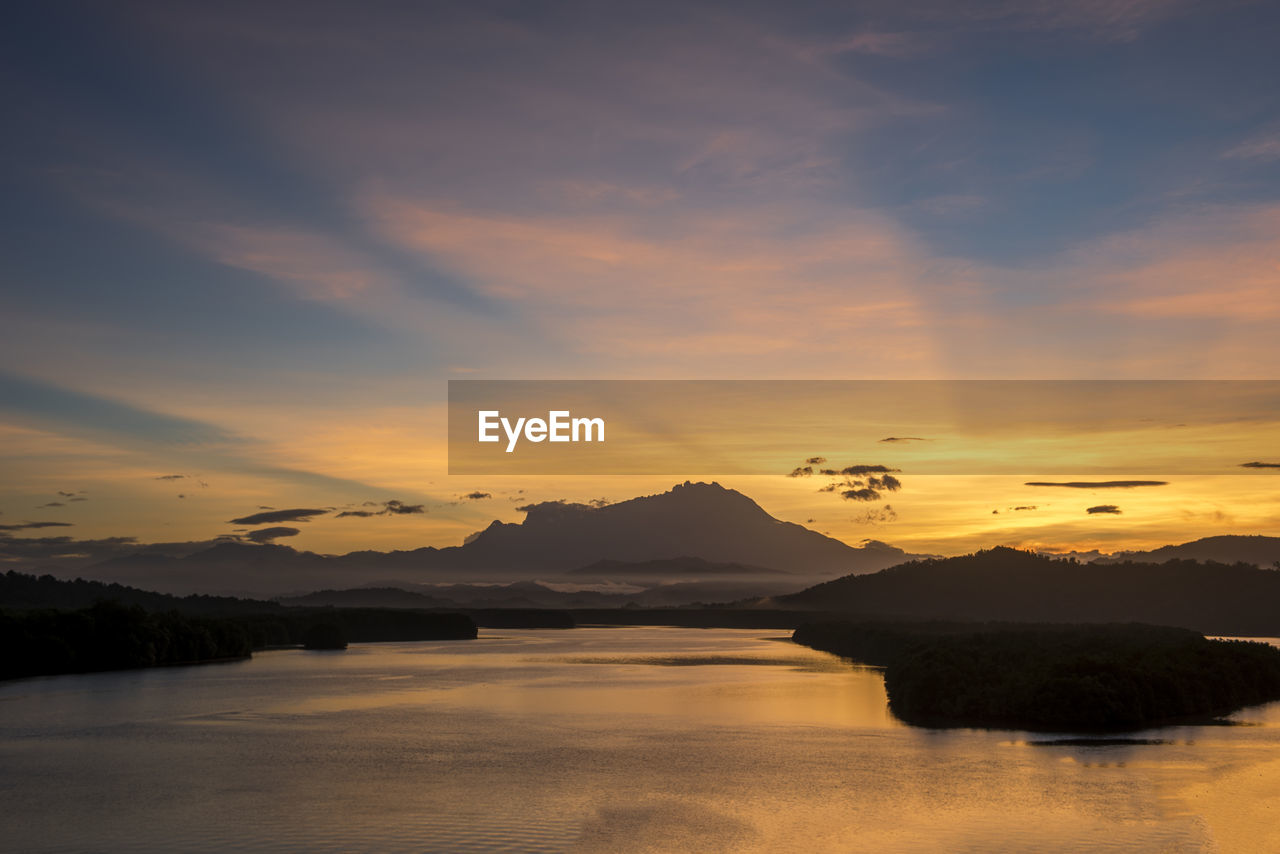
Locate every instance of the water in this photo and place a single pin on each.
(591, 740)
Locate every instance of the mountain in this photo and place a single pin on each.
(1259, 551)
(702, 520)
(1004, 584)
(691, 522)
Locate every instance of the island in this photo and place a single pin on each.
(1051, 676)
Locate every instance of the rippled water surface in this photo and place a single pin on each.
(594, 739)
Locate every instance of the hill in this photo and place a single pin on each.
(1257, 550)
(1004, 584)
(22, 592)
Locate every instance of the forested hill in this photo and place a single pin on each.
(1006, 584)
(1056, 677)
(21, 592)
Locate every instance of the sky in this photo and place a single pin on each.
(246, 245)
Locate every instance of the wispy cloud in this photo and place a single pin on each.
(1264, 146)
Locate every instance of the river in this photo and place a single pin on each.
(592, 740)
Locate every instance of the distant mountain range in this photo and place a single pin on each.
(693, 532)
(1010, 585)
(697, 542)
(531, 594)
(1259, 551)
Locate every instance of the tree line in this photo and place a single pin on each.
(1053, 676)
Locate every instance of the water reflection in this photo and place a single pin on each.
(609, 740)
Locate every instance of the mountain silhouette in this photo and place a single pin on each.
(690, 522)
(702, 520)
(1257, 550)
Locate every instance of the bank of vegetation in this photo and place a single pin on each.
(1039, 676)
(46, 628)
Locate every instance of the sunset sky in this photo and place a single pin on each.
(246, 245)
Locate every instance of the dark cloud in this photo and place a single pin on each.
(25, 526)
(599, 502)
(903, 439)
(863, 494)
(1103, 508)
(1257, 465)
(865, 482)
(67, 494)
(854, 471)
(815, 461)
(477, 495)
(1099, 484)
(297, 515)
(1025, 507)
(171, 477)
(266, 535)
(78, 498)
(51, 504)
(393, 507)
(802, 471)
(400, 508)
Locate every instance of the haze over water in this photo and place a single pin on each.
(590, 740)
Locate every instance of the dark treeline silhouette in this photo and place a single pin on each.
(1053, 676)
(111, 636)
(1005, 584)
(48, 626)
(21, 592)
